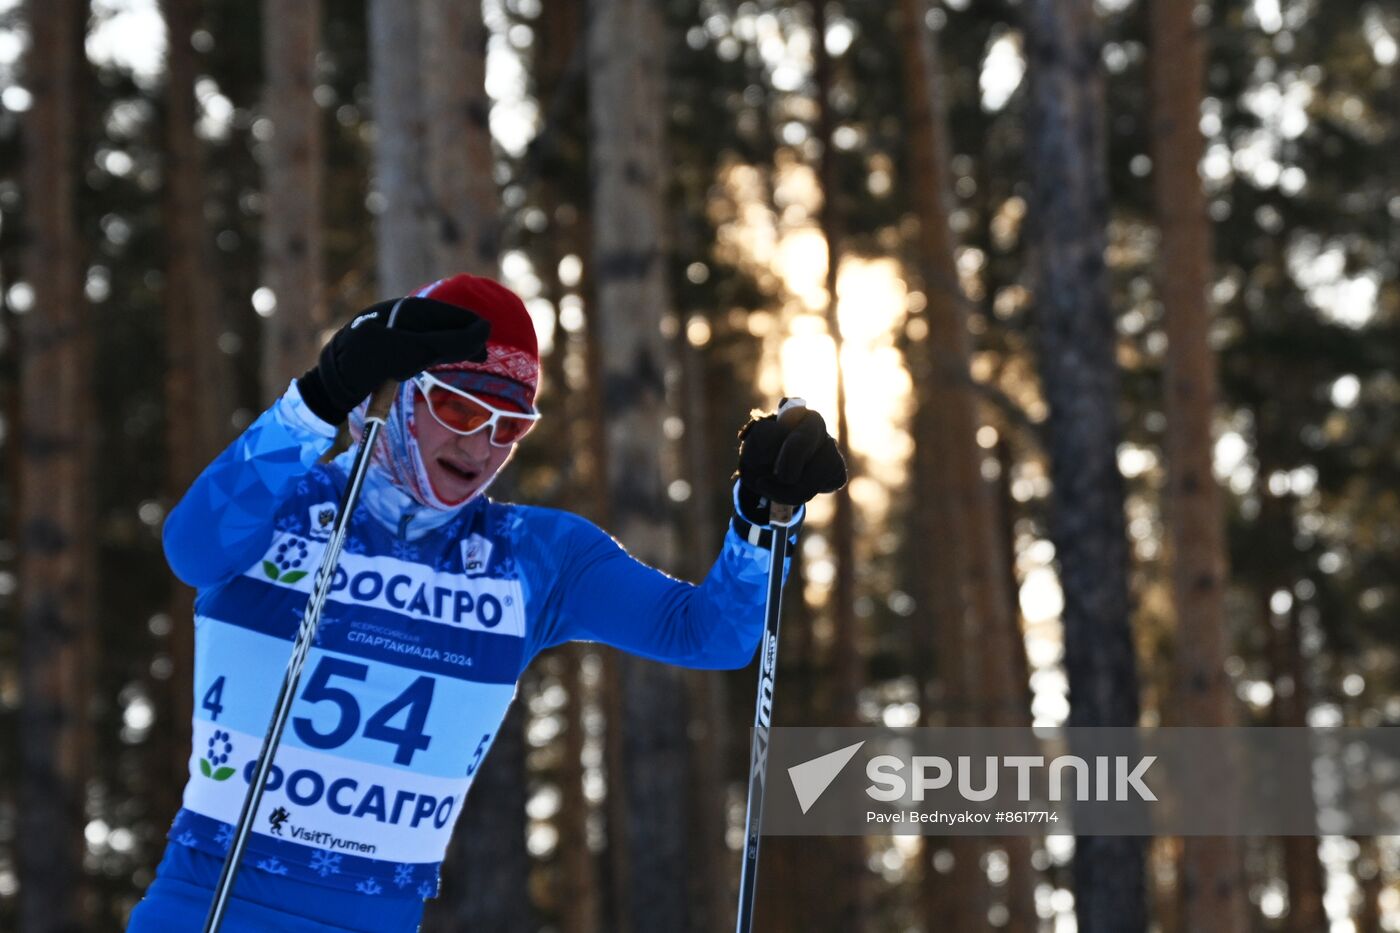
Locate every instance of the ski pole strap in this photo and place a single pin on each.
(780, 515)
(762, 535)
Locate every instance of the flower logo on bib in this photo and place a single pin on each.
(213, 764)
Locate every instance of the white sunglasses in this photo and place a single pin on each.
(461, 412)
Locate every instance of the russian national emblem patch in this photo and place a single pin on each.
(319, 520)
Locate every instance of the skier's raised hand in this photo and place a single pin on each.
(788, 458)
(367, 352)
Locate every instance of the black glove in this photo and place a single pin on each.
(366, 353)
(788, 459)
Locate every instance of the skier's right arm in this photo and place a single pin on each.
(226, 518)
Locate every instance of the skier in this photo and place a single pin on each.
(441, 599)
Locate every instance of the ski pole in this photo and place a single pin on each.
(311, 618)
(781, 519)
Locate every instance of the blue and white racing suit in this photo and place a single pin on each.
(431, 618)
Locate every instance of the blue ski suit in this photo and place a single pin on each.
(431, 618)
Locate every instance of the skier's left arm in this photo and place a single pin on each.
(601, 593)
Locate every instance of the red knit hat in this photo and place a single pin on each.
(511, 372)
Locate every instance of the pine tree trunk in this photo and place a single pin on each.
(627, 119)
(615, 867)
(1370, 883)
(461, 185)
(972, 562)
(1211, 882)
(1303, 873)
(945, 649)
(715, 871)
(56, 560)
(847, 648)
(1302, 869)
(400, 148)
(578, 884)
(579, 881)
(557, 36)
(1017, 694)
(1069, 204)
(293, 265)
(847, 887)
(197, 377)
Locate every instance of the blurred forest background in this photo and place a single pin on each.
(1112, 288)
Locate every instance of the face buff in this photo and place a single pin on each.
(397, 454)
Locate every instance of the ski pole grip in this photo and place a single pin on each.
(780, 515)
(790, 404)
(381, 401)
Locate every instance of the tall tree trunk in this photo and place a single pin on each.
(579, 895)
(1302, 869)
(714, 868)
(197, 377)
(292, 255)
(1370, 883)
(971, 528)
(461, 186)
(848, 644)
(627, 117)
(1017, 694)
(1069, 201)
(56, 560)
(557, 38)
(615, 868)
(400, 148)
(945, 650)
(578, 883)
(960, 896)
(1211, 882)
(847, 886)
